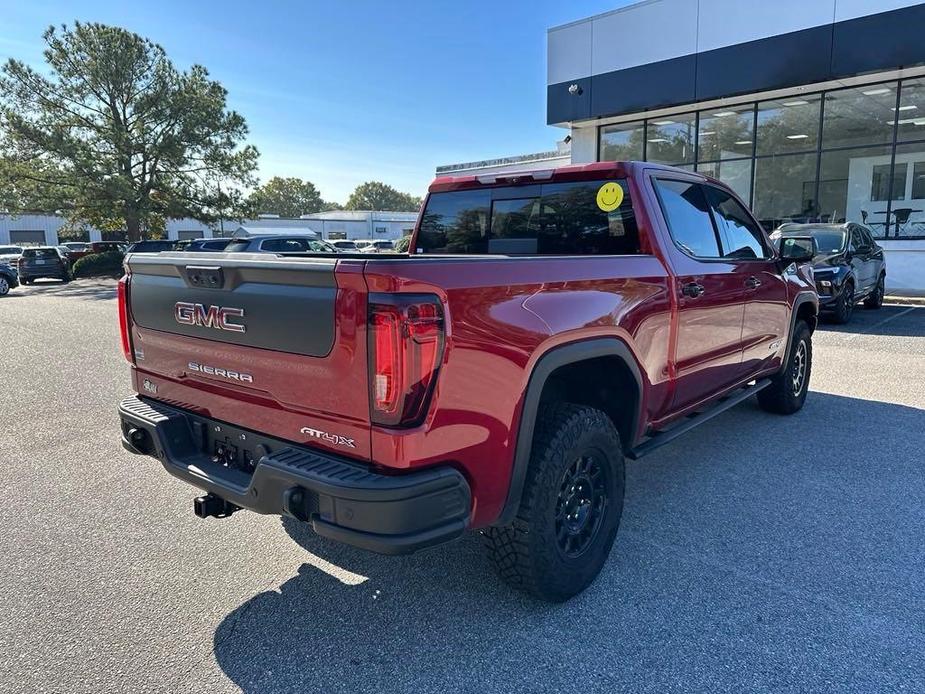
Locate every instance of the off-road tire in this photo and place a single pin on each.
(527, 554)
(844, 306)
(783, 396)
(875, 298)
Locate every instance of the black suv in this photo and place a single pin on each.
(9, 279)
(849, 266)
(44, 261)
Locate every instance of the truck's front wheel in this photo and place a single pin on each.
(571, 506)
(788, 389)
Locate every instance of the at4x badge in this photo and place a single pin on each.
(335, 439)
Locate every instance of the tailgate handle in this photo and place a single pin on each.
(206, 277)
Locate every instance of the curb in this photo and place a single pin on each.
(905, 300)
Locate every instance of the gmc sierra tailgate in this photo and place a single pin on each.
(275, 345)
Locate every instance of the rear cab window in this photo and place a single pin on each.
(539, 219)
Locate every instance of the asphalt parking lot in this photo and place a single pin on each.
(758, 553)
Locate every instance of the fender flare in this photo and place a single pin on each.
(556, 357)
(802, 298)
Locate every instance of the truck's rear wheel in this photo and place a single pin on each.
(788, 389)
(571, 506)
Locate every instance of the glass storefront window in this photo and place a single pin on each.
(862, 116)
(907, 213)
(788, 125)
(622, 142)
(911, 114)
(726, 133)
(785, 189)
(670, 140)
(854, 186)
(737, 174)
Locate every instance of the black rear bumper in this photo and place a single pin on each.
(343, 500)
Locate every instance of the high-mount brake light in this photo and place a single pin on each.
(125, 321)
(406, 339)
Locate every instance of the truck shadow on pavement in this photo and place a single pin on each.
(762, 553)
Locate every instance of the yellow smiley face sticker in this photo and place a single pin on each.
(609, 196)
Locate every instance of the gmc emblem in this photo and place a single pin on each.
(216, 317)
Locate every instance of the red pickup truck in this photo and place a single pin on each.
(543, 328)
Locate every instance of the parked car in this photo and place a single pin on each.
(288, 243)
(152, 246)
(10, 254)
(204, 245)
(849, 266)
(108, 247)
(43, 261)
(394, 402)
(9, 278)
(76, 250)
(377, 246)
(344, 245)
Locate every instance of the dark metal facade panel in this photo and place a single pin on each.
(883, 41)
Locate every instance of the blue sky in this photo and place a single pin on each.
(344, 92)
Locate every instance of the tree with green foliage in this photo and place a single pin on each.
(287, 197)
(113, 135)
(374, 195)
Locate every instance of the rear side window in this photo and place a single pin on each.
(455, 222)
(286, 245)
(552, 219)
(688, 215)
(740, 236)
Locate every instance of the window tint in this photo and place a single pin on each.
(287, 245)
(573, 224)
(856, 240)
(688, 215)
(552, 219)
(455, 222)
(740, 236)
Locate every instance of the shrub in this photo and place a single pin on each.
(99, 265)
(401, 246)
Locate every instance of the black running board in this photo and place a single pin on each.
(659, 438)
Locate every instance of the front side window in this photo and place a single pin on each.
(740, 237)
(688, 215)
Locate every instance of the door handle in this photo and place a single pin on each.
(692, 289)
(753, 283)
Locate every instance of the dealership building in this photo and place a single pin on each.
(812, 111)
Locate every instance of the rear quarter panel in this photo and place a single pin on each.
(503, 315)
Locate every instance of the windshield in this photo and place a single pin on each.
(828, 241)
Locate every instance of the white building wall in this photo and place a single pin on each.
(46, 223)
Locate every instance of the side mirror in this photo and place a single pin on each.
(797, 249)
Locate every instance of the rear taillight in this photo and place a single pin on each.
(125, 320)
(406, 336)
